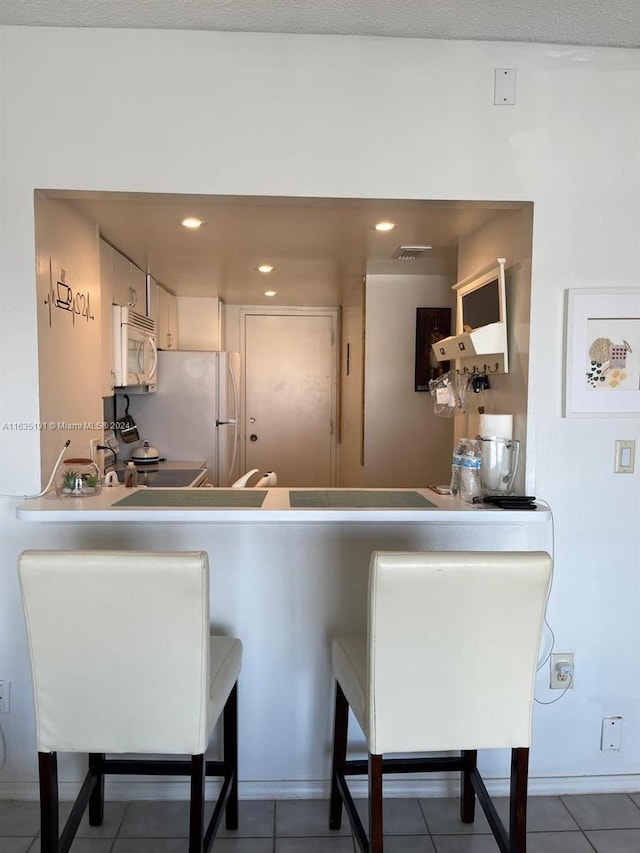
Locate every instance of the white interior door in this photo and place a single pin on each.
(290, 371)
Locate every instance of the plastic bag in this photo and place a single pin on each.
(449, 392)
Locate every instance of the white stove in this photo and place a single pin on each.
(167, 475)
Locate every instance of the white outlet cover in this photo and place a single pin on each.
(611, 739)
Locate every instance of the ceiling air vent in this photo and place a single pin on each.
(409, 253)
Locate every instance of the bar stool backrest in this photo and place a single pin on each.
(119, 644)
(452, 647)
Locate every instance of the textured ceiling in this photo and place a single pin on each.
(610, 23)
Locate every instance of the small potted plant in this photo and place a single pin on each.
(78, 478)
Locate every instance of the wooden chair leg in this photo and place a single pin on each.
(518, 801)
(467, 791)
(340, 726)
(48, 774)
(96, 801)
(375, 804)
(230, 745)
(196, 809)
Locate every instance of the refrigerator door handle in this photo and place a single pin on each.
(234, 421)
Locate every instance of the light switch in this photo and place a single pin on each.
(625, 457)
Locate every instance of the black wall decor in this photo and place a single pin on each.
(432, 325)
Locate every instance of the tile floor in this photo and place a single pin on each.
(605, 823)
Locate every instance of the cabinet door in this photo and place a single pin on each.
(172, 321)
(138, 297)
(162, 320)
(152, 298)
(106, 325)
(121, 279)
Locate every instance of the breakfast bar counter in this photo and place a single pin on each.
(288, 571)
(123, 505)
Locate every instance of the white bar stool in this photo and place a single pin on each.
(110, 634)
(423, 678)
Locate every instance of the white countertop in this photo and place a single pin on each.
(275, 508)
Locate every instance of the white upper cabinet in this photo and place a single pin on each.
(152, 298)
(139, 290)
(121, 267)
(129, 284)
(172, 321)
(167, 319)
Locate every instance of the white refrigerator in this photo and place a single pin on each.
(194, 413)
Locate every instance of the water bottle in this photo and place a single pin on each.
(465, 470)
(454, 487)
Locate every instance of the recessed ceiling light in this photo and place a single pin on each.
(265, 268)
(191, 222)
(384, 226)
(270, 292)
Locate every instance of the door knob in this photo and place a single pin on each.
(252, 420)
(253, 437)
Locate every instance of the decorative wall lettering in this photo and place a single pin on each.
(61, 296)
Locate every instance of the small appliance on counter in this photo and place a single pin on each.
(145, 454)
(499, 464)
(164, 475)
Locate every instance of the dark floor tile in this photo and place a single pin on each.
(19, 818)
(558, 842)
(465, 844)
(408, 844)
(314, 845)
(603, 811)
(16, 845)
(255, 820)
(544, 814)
(90, 845)
(243, 845)
(149, 845)
(306, 818)
(399, 816)
(156, 819)
(113, 815)
(443, 817)
(615, 840)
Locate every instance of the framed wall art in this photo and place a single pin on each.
(432, 325)
(602, 372)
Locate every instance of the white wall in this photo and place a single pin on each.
(69, 339)
(199, 323)
(405, 443)
(87, 109)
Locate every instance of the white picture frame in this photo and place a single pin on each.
(602, 353)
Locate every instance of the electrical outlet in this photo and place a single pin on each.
(562, 671)
(93, 449)
(611, 737)
(5, 696)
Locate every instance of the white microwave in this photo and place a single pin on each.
(135, 357)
